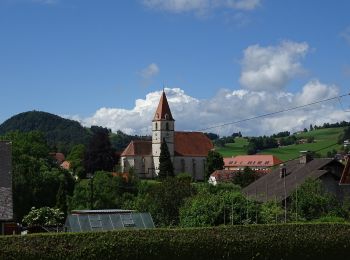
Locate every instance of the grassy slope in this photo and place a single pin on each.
(323, 138)
(237, 148)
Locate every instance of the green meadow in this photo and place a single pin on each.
(325, 140)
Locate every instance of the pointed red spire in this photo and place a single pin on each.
(163, 111)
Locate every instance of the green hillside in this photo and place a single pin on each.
(59, 132)
(327, 137)
(237, 148)
(324, 138)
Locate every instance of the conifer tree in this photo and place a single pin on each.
(166, 168)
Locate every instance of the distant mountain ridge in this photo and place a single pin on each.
(60, 133)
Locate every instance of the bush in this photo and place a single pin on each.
(291, 241)
(45, 216)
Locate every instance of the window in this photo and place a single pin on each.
(167, 126)
(194, 168)
(143, 164)
(156, 126)
(183, 165)
(166, 116)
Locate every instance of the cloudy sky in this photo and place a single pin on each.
(106, 62)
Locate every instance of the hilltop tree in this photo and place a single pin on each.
(99, 155)
(215, 161)
(166, 168)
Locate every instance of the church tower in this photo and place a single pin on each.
(162, 129)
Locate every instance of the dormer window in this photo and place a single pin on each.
(166, 116)
(157, 115)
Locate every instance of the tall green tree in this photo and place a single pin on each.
(214, 162)
(99, 155)
(107, 191)
(163, 200)
(166, 168)
(76, 160)
(36, 178)
(312, 201)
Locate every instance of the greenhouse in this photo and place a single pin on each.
(103, 220)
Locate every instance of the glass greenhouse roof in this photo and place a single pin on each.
(103, 220)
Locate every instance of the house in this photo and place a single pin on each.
(188, 150)
(221, 176)
(282, 182)
(6, 200)
(261, 163)
(58, 157)
(107, 219)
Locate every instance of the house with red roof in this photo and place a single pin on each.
(188, 150)
(261, 163)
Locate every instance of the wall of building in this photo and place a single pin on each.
(195, 166)
(331, 185)
(6, 200)
(143, 165)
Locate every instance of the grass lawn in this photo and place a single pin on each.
(324, 138)
(234, 149)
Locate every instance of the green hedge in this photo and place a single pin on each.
(291, 241)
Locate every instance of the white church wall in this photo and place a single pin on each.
(195, 166)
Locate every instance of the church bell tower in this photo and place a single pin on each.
(163, 125)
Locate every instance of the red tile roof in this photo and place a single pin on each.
(163, 111)
(59, 157)
(138, 147)
(192, 144)
(262, 160)
(223, 175)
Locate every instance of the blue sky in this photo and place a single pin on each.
(105, 62)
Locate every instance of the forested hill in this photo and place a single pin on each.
(60, 133)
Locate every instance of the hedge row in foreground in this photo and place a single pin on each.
(291, 241)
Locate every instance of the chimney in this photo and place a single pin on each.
(305, 157)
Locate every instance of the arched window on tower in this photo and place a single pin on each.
(166, 116)
(167, 126)
(156, 126)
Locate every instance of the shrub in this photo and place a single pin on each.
(291, 241)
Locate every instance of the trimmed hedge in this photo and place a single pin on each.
(290, 241)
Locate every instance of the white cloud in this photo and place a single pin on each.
(200, 6)
(226, 106)
(150, 71)
(265, 73)
(272, 67)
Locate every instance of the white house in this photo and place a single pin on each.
(188, 150)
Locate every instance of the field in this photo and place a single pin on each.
(325, 140)
(237, 148)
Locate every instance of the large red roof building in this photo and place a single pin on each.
(188, 150)
(262, 163)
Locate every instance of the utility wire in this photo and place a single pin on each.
(318, 150)
(272, 113)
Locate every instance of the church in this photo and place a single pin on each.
(188, 150)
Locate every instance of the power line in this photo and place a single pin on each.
(318, 150)
(273, 113)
